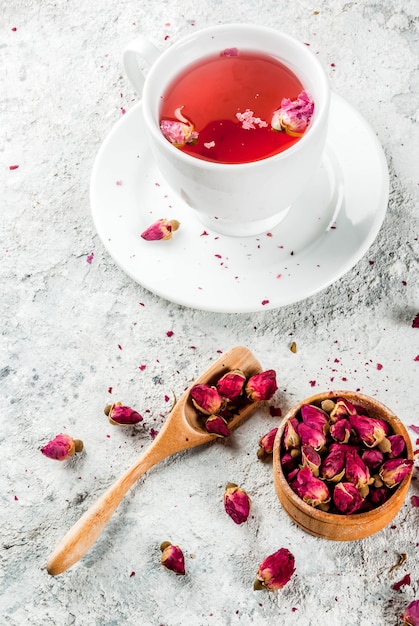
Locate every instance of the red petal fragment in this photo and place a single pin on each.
(415, 323)
(404, 581)
(411, 614)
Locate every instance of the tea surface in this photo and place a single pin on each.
(230, 98)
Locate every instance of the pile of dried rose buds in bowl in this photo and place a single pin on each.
(217, 404)
(342, 465)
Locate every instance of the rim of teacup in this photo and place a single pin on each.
(150, 112)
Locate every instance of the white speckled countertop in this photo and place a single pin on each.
(77, 333)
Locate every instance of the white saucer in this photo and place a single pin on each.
(328, 230)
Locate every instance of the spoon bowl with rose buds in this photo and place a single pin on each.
(184, 428)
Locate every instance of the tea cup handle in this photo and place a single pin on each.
(139, 50)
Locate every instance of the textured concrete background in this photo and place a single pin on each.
(76, 335)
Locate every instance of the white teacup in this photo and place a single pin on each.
(233, 199)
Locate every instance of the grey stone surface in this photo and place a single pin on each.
(74, 335)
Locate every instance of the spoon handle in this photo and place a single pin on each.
(87, 529)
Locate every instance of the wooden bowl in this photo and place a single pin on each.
(334, 526)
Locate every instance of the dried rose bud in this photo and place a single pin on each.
(371, 431)
(397, 445)
(333, 465)
(216, 425)
(314, 417)
(275, 571)
(311, 436)
(340, 431)
(373, 458)
(62, 447)
(206, 399)
(172, 558)
(410, 616)
(347, 498)
(342, 408)
(394, 471)
(309, 488)
(180, 131)
(266, 443)
(288, 463)
(311, 459)
(231, 384)
(356, 471)
(291, 438)
(236, 503)
(378, 495)
(261, 386)
(120, 415)
(294, 115)
(161, 230)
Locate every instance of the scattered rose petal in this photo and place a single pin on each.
(404, 581)
(249, 121)
(13, 167)
(414, 428)
(415, 323)
(275, 411)
(230, 52)
(415, 501)
(90, 257)
(169, 333)
(264, 302)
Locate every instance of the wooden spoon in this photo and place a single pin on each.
(182, 430)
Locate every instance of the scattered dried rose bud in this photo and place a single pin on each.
(333, 465)
(311, 436)
(62, 447)
(291, 437)
(373, 458)
(397, 445)
(236, 503)
(340, 431)
(371, 431)
(410, 616)
(347, 498)
(310, 489)
(394, 471)
(294, 115)
(356, 471)
(275, 571)
(206, 399)
(231, 384)
(314, 417)
(216, 425)
(120, 415)
(261, 386)
(172, 558)
(161, 230)
(311, 459)
(266, 443)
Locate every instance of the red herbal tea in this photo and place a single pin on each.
(221, 107)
